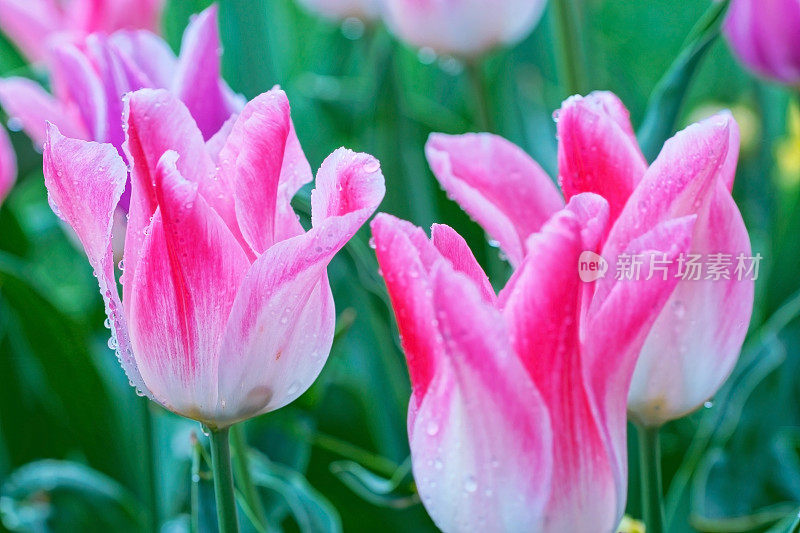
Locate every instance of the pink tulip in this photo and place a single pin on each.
(89, 77)
(517, 415)
(693, 346)
(226, 309)
(33, 25)
(342, 9)
(578, 342)
(465, 28)
(8, 165)
(765, 35)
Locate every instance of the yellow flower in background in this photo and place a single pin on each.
(787, 152)
(630, 525)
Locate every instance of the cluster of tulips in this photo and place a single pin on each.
(520, 398)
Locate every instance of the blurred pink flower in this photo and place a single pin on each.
(8, 165)
(465, 28)
(226, 310)
(695, 342)
(33, 25)
(765, 35)
(517, 415)
(341, 9)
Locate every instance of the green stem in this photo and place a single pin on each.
(650, 467)
(241, 469)
(223, 480)
(150, 466)
(569, 48)
(483, 112)
(197, 452)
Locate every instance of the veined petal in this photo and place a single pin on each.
(156, 123)
(543, 311)
(84, 182)
(406, 256)
(182, 293)
(251, 161)
(75, 79)
(680, 182)
(197, 80)
(456, 250)
(26, 101)
(281, 327)
(694, 344)
(8, 165)
(616, 325)
(28, 23)
(480, 438)
(497, 183)
(597, 150)
(146, 57)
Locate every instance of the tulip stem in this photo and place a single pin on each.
(150, 469)
(650, 467)
(223, 480)
(569, 47)
(483, 114)
(241, 469)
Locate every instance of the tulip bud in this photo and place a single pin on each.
(765, 35)
(464, 28)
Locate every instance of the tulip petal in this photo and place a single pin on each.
(481, 422)
(406, 256)
(28, 22)
(158, 122)
(146, 57)
(598, 151)
(543, 316)
(197, 80)
(26, 101)
(281, 327)
(84, 182)
(251, 162)
(617, 324)
(182, 293)
(680, 182)
(8, 165)
(693, 346)
(456, 250)
(497, 183)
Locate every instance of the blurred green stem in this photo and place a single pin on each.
(241, 469)
(150, 459)
(650, 468)
(483, 110)
(571, 61)
(223, 480)
(197, 452)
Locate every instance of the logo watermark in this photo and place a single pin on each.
(686, 267)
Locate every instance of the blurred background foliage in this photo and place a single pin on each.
(80, 452)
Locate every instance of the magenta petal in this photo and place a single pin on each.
(158, 122)
(26, 101)
(28, 23)
(84, 182)
(251, 161)
(480, 438)
(182, 292)
(543, 313)
(197, 80)
(497, 183)
(405, 256)
(597, 150)
(146, 57)
(456, 250)
(8, 165)
(695, 342)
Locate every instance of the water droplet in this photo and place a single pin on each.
(293, 388)
(426, 55)
(709, 404)
(432, 428)
(372, 166)
(470, 485)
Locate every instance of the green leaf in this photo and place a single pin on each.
(667, 98)
(384, 492)
(31, 498)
